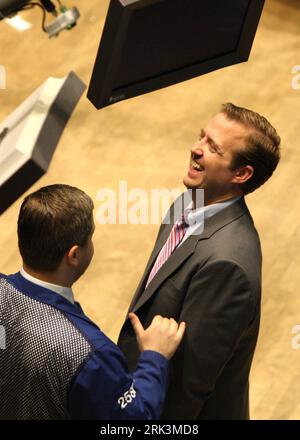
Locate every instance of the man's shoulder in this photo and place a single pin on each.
(61, 320)
(236, 237)
(238, 244)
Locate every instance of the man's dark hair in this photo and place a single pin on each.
(262, 146)
(51, 221)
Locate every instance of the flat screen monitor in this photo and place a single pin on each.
(150, 44)
(8, 7)
(29, 136)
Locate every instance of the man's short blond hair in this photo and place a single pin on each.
(261, 151)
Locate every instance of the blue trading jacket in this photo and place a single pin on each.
(57, 364)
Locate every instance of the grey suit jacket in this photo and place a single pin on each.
(213, 283)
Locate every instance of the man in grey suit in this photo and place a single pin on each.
(212, 279)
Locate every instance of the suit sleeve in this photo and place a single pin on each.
(217, 309)
(105, 389)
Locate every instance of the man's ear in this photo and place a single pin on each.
(72, 256)
(242, 174)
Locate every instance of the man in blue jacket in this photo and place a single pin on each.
(56, 363)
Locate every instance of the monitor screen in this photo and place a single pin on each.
(150, 44)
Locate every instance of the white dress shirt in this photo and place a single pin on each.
(66, 292)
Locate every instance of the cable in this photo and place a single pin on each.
(65, 18)
(30, 6)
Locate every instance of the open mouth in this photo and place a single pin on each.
(195, 166)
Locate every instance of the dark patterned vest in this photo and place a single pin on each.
(41, 350)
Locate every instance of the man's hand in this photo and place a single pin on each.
(163, 335)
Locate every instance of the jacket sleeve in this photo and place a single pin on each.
(105, 389)
(217, 309)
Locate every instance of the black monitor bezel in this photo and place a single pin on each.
(114, 35)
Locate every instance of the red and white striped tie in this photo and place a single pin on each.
(176, 235)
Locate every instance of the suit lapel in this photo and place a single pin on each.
(175, 260)
(211, 225)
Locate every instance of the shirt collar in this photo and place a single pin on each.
(66, 292)
(195, 216)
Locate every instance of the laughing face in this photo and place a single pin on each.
(211, 157)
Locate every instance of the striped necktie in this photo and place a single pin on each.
(176, 235)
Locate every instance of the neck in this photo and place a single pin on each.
(57, 277)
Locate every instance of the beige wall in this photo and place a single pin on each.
(145, 141)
